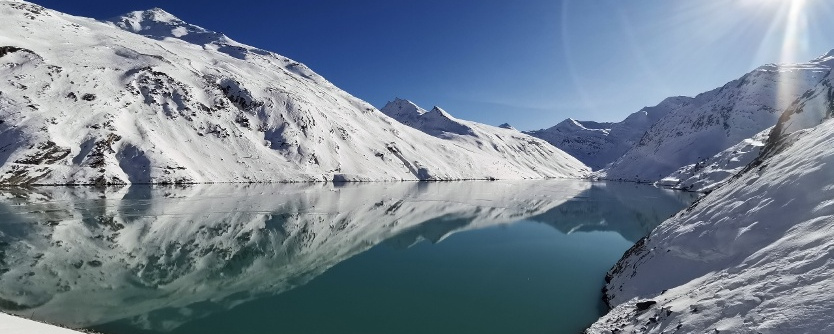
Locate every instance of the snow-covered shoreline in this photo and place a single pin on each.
(15, 325)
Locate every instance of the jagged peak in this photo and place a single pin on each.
(828, 54)
(159, 24)
(440, 112)
(153, 15)
(827, 58)
(436, 109)
(160, 15)
(402, 107)
(571, 123)
(574, 122)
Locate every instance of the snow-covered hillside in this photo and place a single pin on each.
(753, 256)
(716, 120)
(500, 143)
(147, 97)
(711, 173)
(68, 254)
(598, 144)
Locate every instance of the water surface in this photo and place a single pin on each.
(459, 257)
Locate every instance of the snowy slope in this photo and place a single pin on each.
(502, 143)
(149, 98)
(716, 120)
(711, 173)
(69, 252)
(12, 324)
(812, 108)
(598, 144)
(753, 256)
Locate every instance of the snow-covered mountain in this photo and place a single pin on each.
(599, 143)
(753, 256)
(170, 254)
(147, 97)
(436, 122)
(501, 143)
(716, 120)
(708, 174)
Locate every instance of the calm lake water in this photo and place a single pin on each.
(452, 257)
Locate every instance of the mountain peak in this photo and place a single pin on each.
(506, 126)
(145, 17)
(825, 58)
(437, 109)
(159, 15)
(159, 24)
(402, 107)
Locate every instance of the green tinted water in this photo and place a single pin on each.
(464, 257)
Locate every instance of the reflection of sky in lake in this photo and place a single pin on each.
(155, 259)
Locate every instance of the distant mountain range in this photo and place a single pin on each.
(673, 141)
(521, 151)
(598, 144)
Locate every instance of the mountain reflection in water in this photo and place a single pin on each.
(81, 257)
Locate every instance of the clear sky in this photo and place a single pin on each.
(531, 63)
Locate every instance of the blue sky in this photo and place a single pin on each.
(531, 63)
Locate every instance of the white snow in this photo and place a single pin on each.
(753, 256)
(15, 325)
(501, 143)
(716, 120)
(711, 173)
(598, 144)
(147, 97)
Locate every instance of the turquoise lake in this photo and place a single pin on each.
(447, 257)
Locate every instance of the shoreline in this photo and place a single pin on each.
(15, 324)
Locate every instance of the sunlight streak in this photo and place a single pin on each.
(794, 41)
(795, 27)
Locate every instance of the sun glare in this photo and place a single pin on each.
(794, 39)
